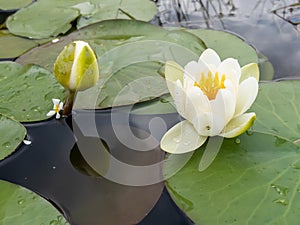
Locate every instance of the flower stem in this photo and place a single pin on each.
(69, 103)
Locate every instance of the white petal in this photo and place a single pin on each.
(50, 113)
(55, 101)
(179, 97)
(224, 104)
(196, 103)
(194, 70)
(231, 68)
(238, 125)
(209, 56)
(173, 72)
(212, 148)
(250, 70)
(247, 93)
(57, 116)
(181, 138)
(218, 123)
(203, 123)
(61, 105)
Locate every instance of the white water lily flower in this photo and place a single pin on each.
(212, 96)
(57, 107)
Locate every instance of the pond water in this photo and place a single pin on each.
(271, 26)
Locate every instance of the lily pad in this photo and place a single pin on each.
(37, 21)
(12, 46)
(12, 134)
(13, 4)
(255, 177)
(33, 21)
(108, 37)
(122, 45)
(27, 92)
(230, 45)
(127, 52)
(21, 206)
(115, 9)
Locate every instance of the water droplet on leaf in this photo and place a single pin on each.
(281, 190)
(186, 143)
(176, 139)
(21, 201)
(281, 201)
(249, 132)
(6, 144)
(237, 141)
(164, 100)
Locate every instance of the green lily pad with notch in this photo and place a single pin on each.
(33, 21)
(27, 91)
(37, 21)
(21, 206)
(255, 178)
(13, 4)
(12, 46)
(12, 134)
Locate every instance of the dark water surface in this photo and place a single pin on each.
(56, 170)
(271, 26)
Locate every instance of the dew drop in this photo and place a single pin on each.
(297, 167)
(281, 201)
(249, 132)
(3, 78)
(281, 190)
(36, 109)
(279, 141)
(39, 76)
(237, 141)
(186, 143)
(53, 222)
(164, 100)
(59, 218)
(6, 144)
(55, 40)
(21, 201)
(176, 139)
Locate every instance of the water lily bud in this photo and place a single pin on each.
(76, 67)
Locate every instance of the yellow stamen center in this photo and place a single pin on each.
(56, 108)
(210, 85)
